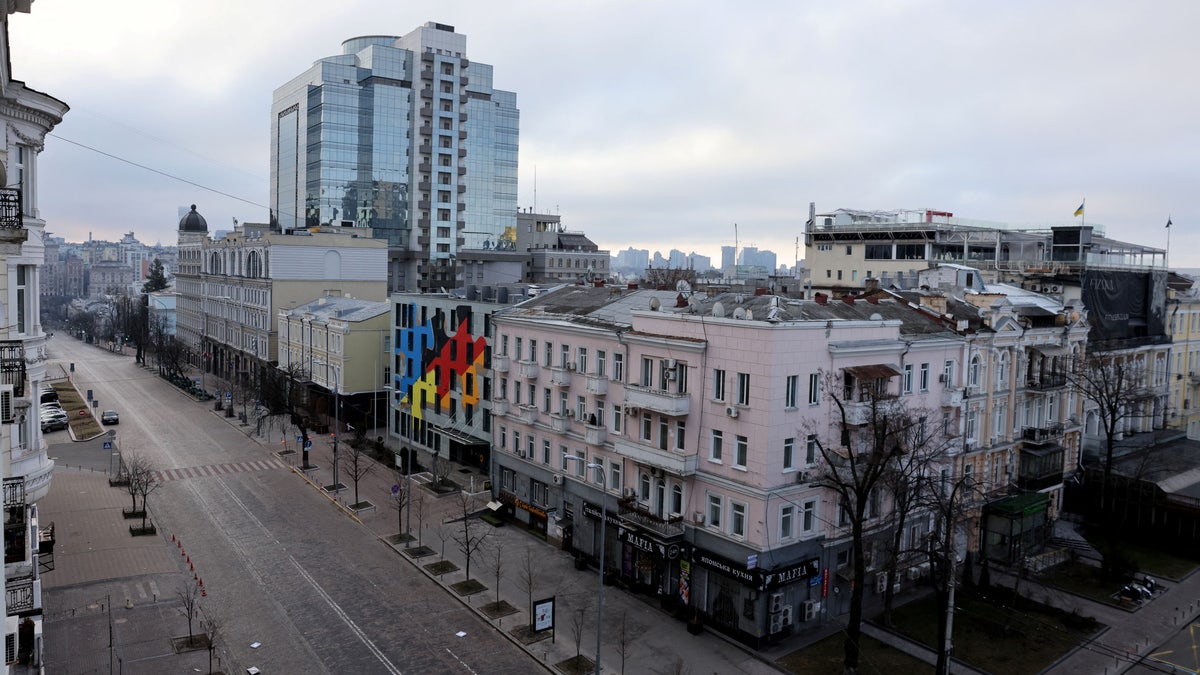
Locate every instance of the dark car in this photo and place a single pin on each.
(110, 417)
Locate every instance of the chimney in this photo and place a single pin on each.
(821, 298)
(936, 302)
(871, 284)
(848, 299)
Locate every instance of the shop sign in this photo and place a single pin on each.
(543, 614)
(592, 512)
(792, 573)
(759, 578)
(638, 541)
(685, 580)
(731, 569)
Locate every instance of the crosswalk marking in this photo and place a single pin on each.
(208, 470)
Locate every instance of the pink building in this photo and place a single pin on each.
(689, 424)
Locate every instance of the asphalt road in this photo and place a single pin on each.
(282, 566)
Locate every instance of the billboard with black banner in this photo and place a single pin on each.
(1123, 305)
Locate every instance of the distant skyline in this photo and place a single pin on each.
(659, 126)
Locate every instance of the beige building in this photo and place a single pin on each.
(232, 289)
(1184, 312)
(342, 344)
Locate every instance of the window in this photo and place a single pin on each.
(503, 437)
(597, 418)
(814, 388)
(647, 426)
(714, 451)
(737, 519)
(810, 450)
(538, 494)
(848, 250)
(549, 354)
(580, 462)
(948, 372)
(789, 452)
(743, 390)
(516, 446)
(506, 478)
(972, 419)
(839, 272)
(564, 356)
(680, 429)
(519, 343)
(562, 403)
(647, 371)
(504, 345)
(22, 296)
(532, 394)
(973, 372)
(1002, 372)
(662, 433)
(562, 454)
(581, 408)
(533, 351)
(614, 476)
(924, 383)
(618, 367)
(601, 364)
(676, 500)
(809, 523)
(741, 452)
(718, 384)
(644, 487)
(617, 416)
(546, 400)
(787, 521)
(545, 452)
(790, 391)
(529, 446)
(581, 358)
(715, 505)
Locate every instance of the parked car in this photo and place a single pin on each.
(52, 421)
(110, 417)
(48, 395)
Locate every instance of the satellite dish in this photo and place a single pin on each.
(654, 304)
(749, 315)
(682, 286)
(718, 310)
(739, 313)
(876, 317)
(693, 305)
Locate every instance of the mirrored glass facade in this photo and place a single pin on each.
(403, 135)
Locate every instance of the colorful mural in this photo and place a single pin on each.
(437, 363)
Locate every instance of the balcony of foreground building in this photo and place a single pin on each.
(596, 385)
(1046, 382)
(12, 366)
(669, 403)
(526, 414)
(593, 433)
(561, 377)
(1041, 435)
(561, 422)
(12, 224)
(633, 513)
(500, 364)
(670, 461)
(500, 407)
(527, 370)
(35, 469)
(1041, 467)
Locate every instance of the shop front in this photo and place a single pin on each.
(530, 515)
(650, 564)
(751, 604)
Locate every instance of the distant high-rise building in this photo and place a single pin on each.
(727, 256)
(632, 260)
(700, 263)
(403, 135)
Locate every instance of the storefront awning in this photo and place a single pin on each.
(495, 505)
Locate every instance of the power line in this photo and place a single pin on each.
(157, 171)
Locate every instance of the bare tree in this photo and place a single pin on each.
(527, 575)
(868, 436)
(283, 392)
(471, 536)
(445, 533)
(357, 464)
(189, 604)
(212, 627)
(577, 622)
(625, 637)
(399, 500)
(130, 466)
(496, 561)
(1115, 384)
(146, 480)
(419, 508)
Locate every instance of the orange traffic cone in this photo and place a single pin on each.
(202, 583)
(172, 537)
(203, 593)
(191, 567)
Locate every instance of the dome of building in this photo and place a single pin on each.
(192, 221)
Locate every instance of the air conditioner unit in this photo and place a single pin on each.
(671, 363)
(698, 518)
(914, 573)
(558, 479)
(654, 471)
(631, 410)
(810, 610)
(776, 623)
(731, 411)
(629, 493)
(803, 476)
(896, 586)
(571, 367)
(669, 375)
(881, 583)
(786, 615)
(776, 602)
(942, 377)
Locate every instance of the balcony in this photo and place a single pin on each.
(12, 225)
(499, 407)
(597, 386)
(527, 370)
(1041, 467)
(1050, 434)
(560, 423)
(676, 463)
(952, 398)
(1046, 382)
(663, 402)
(560, 377)
(12, 365)
(427, 73)
(427, 93)
(36, 469)
(500, 364)
(633, 513)
(594, 434)
(524, 413)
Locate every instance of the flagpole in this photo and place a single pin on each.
(1167, 252)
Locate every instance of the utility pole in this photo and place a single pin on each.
(948, 646)
(336, 485)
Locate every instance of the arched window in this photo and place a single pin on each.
(253, 265)
(1002, 372)
(676, 500)
(644, 487)
(973, 372)
(214, 263)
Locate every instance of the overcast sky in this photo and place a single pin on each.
(661, 124)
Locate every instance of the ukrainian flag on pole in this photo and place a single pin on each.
(1079, 211)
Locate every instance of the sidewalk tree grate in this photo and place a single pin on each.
(441, 567)
(468, 587)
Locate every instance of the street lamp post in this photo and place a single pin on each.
(603, 532)
(336, 485)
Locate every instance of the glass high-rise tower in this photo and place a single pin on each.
(403, 135)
